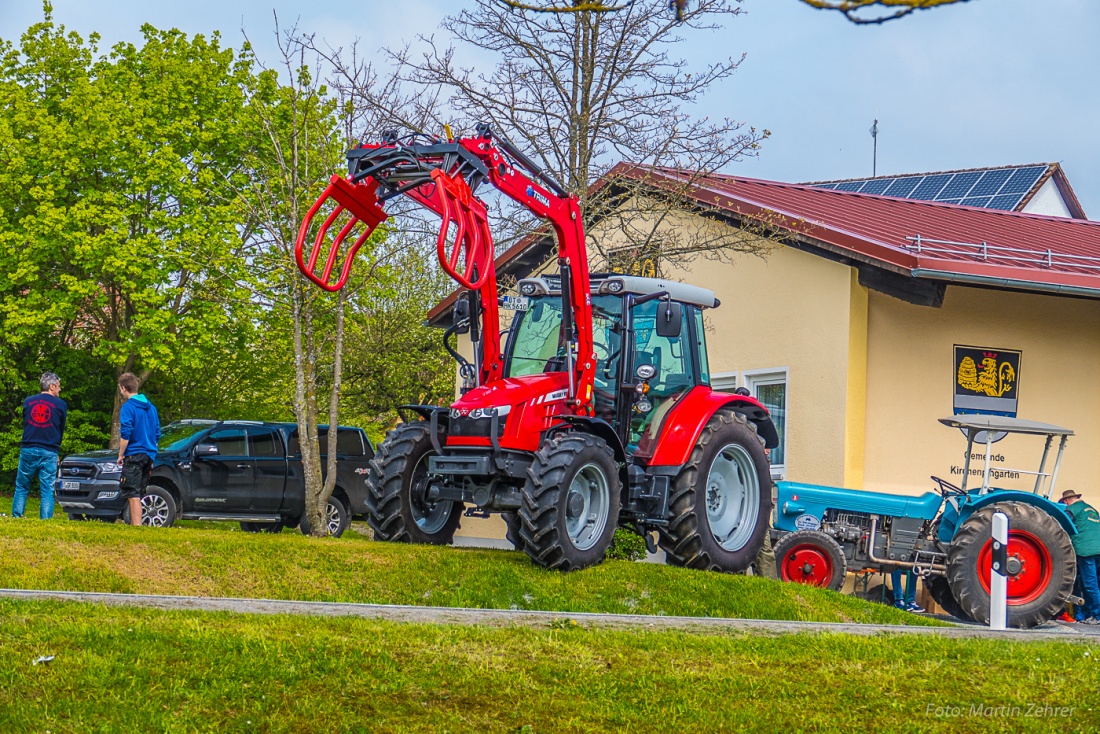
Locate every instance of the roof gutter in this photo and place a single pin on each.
(987, 280)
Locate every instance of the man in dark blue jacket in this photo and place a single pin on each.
(43, 426)
(139, 433)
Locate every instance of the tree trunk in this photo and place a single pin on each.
(305, 406)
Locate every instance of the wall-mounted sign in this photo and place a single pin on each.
(987, 381)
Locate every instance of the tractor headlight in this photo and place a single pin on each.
(614, 286)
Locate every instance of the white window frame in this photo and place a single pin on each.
(751, 379)
(725, 381)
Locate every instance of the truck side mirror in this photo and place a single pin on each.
(670, 317)
(460, 316)
(205, 449)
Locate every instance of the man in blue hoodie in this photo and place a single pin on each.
(139, 433)
(43, 426)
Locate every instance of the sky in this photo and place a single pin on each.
(985, 83)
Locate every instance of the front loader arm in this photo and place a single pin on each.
(444, 177)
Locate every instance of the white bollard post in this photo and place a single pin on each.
(998, 574)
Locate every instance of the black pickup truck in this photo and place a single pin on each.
(244, 471)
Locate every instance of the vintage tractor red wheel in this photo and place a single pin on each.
(811, 557)
(1041, 564)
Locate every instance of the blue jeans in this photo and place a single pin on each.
(1087, 569)
(910, 596)
(42, 462)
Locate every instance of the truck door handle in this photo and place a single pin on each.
(242, 466)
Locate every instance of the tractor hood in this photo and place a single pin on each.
(503, 395)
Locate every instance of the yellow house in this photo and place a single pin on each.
(871, 317)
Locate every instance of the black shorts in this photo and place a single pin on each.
(136, 470)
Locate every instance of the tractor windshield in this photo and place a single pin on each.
(537, 344)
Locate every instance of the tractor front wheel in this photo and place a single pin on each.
(1041, 564)
(811, 557)
(570, 502)
(721, 500)
(398, 507)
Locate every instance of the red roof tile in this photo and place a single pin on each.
(1025, 251)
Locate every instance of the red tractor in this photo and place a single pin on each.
(596, 413)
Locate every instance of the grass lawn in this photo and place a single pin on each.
(135, 670)
(91, 556)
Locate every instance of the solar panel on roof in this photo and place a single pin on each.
(1006, 203)
(998, 188)
(990, 182)
(876, 186)
(930, 186)
(976, 201)
(959, 186)
(1022, 180)
(903, 187)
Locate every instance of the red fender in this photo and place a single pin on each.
(680, 429)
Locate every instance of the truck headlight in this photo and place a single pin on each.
(110, 467)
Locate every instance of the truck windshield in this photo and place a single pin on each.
(537, 345)
(175, 435)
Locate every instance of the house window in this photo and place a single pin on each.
(770, 388)
(723, 382)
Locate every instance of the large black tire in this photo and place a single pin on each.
(1038, 589)
(262, 527)
(940, 590)
(570, 502)
(811, 557)
(513, 523)
(879, 593)
(336, 517)
(397, 509)
(158, 508)
(700, 510)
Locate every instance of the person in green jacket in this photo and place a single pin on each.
(1087, 546)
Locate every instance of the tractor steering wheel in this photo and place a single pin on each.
(946, 487)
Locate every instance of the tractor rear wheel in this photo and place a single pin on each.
(1041, 564)
(570, 502)
(721, 500)
(941, 594)
(811, 557)
(398, 508)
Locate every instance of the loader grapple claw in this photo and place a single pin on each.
(470, 258)
(354, 204)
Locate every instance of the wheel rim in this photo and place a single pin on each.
(586, 506)
(807, 564)
(732, 497)
(332, 518)
(430, 516)
(154, 511)
(1033, 574)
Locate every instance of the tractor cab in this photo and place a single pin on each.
(648, 341)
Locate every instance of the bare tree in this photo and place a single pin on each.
(853, 10)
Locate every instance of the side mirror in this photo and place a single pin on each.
(205, 449)
(460, 316)
(670, 316)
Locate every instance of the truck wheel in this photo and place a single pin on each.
(397, 506)
(158, 508)
(941, 594)
(570, 502)
(1041, 564)
(513, 523)
(721, 500)
(811, 557)
(262, 527)
(337, 519)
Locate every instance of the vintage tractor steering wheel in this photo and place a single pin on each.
(946, 487)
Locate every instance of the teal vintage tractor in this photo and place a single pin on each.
(822, 533)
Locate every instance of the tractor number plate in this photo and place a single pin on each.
(515, 303)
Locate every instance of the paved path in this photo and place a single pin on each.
(513, 617)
